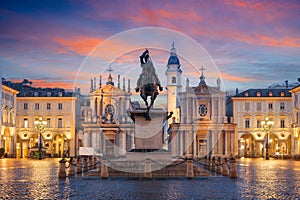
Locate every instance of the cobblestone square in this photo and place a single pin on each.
(258, 179)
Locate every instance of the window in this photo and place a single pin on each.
(173, 79)
(37, 106)
(59, 106)
(25, 123)
(282, 123)
(258, 106)
(48, 94)
(48, 106)
(282, 94)
(270, 106)
(258, 124)
(247, 123)
(48, 122)
(246, 94)
(25, 106)
(281, 106)
(258, 94)
(247, 106)
(59, 123)
(36, 94)
(270, 94)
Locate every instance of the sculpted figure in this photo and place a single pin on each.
(148, 82)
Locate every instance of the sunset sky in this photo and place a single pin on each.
(252, 43)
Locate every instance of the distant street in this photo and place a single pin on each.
(258, 179)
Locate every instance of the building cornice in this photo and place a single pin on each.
(10, 89)
(261, 98)
(294, 90)
(46, 98)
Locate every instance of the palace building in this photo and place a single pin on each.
(58, 108)
(251, 108)
(8, 136)
(296, 120)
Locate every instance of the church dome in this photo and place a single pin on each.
(173, 60)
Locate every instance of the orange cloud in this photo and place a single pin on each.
(257, 39)
(279, 42)
(80, 45)
(236, 78)
(47, 84)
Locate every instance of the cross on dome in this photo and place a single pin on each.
(202, 69)
(109, 70)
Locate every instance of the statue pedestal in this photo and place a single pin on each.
(149, 135)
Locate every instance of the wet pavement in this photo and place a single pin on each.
(258, 179)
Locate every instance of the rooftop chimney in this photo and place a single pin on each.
(286, 83)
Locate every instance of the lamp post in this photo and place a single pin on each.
(59, 146)
(40, 125)
(267, 125)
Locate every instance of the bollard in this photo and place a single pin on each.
(213, 163)
(233, 170)
(85, 165)
(189, 169)
(90, 163)
(225, 168)
(78, 165)
(95, 163)
(209, 163)
(148, 169)
(62, 169)
(71, 171)
(219, 166)
(205, 162)
(104, 169)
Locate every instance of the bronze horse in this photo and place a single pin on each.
(148, 82)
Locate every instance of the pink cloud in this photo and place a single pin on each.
(236, 78)
(81, 45)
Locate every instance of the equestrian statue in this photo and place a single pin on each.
(148, 83)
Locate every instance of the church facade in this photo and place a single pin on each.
(199, 126)
(107, 128)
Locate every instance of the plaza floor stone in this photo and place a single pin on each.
(258, 179)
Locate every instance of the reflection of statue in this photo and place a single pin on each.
(148, 82)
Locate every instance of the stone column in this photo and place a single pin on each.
(173, 144)
(87, 138)
(123, 147)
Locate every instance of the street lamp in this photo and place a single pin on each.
(59, 146)
(40, 125)
(267, 125)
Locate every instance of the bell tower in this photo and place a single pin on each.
(174, 86)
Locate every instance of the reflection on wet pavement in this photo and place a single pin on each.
(258, 179)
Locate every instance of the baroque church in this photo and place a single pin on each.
(198, 126)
